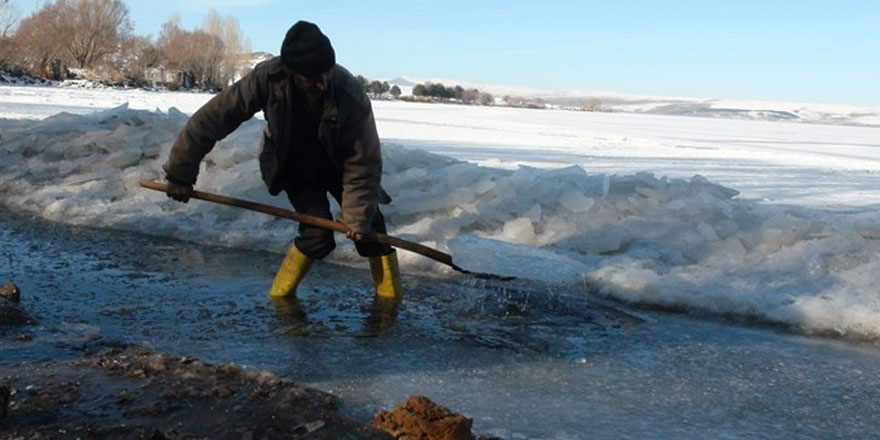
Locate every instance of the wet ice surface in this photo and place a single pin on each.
(526, 363)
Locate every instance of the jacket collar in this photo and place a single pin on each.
(276, 69)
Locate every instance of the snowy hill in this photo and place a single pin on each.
(675, 106)
(402, 81)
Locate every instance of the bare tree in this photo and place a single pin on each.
(39, 47)
(91, 29)
(8, 18)
(236, 48)
(197, 54)
(206, 66)
(170, 41)
(8, 22)
(135, 55)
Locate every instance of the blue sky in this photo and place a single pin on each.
(802, 51)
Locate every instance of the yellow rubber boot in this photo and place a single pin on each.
(293, 269)
(386, 276)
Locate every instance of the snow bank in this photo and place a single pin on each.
(39, 102)
(681, 243)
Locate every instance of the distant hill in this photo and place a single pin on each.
(597, 100)
(401, 81)
(668, 105)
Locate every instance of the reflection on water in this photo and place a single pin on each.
(295, 317)
(383, 313)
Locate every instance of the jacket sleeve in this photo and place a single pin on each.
(361, 171)
(213, 122)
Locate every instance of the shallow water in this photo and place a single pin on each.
(525, 361)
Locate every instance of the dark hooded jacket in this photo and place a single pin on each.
(347, 132)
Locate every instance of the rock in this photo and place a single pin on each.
(422, 419)
(4, 400)
(10, 312)
(12, 315)
(11, 292)
(307, 428)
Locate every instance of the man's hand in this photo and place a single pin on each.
(179, 192)
(358, 235)
(354, 235)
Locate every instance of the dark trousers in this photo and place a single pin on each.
(311, 198)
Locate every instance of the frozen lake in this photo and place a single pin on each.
(750, 235)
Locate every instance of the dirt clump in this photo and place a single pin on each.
(10, 292)
(10, 312)
(422, 419)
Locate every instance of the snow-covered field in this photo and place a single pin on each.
(769, 220)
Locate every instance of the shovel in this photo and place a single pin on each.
(323, 223)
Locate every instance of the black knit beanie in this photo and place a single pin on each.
(306, 50)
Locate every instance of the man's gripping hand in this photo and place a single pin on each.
(358, 235)
(178, 191)
(354, 235)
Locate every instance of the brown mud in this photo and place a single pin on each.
(135, 393)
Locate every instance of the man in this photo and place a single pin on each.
(320, 138)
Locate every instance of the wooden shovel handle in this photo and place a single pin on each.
(312, 221)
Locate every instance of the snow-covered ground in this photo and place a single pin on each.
(775, 221)
(35, 102)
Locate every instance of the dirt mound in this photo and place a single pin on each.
(422, 419)
(134, 393)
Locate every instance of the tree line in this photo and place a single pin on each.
(439, 92)
(379, 89)
(434, 92)
(97, 36)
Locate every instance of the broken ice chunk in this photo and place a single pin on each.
(519, 230)
(534, 213)
(575, 201)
